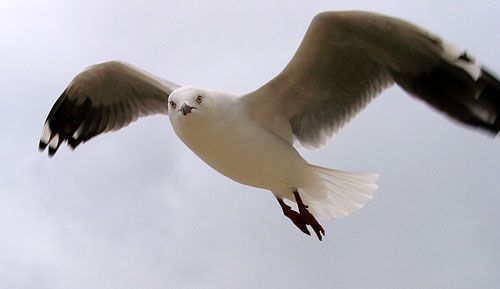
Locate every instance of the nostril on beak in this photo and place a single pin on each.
(186, 109)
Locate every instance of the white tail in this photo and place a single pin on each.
(338, 193)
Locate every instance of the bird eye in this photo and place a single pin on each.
(172, 104)
(199, 99)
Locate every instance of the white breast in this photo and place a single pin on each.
(238, 148)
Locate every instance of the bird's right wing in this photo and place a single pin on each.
(104, 97)
(347, 58)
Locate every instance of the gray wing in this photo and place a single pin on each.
(348, 58)
(104, 97)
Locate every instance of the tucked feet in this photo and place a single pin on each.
(302, 218)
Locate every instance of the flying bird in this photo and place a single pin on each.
(344, 61)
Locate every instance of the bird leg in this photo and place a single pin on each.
(302, 218)
(296, 218)
(308, 217)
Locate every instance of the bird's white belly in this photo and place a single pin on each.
(245, 153)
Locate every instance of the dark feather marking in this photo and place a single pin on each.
(42, 146)
(491, 90)
(52, 151)
(56, 105)
(464, 56)
(86, 124)
(451, 90)
(97, 99)
(94, 124)
(59, 114)
(76, 120)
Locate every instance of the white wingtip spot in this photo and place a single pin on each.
(54, 141)
(45, 133)
(452, 54)
(77, 133)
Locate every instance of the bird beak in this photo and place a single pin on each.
(186, 109)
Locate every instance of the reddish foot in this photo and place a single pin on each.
(302, 218)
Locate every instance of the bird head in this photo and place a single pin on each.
(188, 101)
(194, 108)
(191, 105)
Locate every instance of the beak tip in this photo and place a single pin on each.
(185, 109)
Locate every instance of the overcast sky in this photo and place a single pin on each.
(136, 209)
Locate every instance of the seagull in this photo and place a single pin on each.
(345, 60)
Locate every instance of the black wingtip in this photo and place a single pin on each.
(41, 146)
(491, 88)
(496, 124)
(52, 151)
(73, 143)
(490, 95)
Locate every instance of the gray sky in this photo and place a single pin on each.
(136, 209)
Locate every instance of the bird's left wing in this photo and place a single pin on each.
(347, 58)
(104, 97)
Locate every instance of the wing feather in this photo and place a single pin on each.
(104, 97)
(347, 58)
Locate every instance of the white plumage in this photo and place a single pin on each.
(221, 132)
(344, 61)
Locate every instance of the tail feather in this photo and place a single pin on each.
(338, 193)
(349, 184)
(353, 194)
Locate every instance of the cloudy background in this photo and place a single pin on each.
(136, 209)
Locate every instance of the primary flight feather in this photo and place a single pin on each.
(344, 61)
